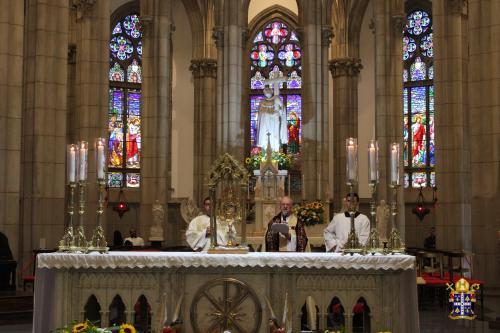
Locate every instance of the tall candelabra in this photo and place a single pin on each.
(373, 243)
(352, 245)
(395, 243)
(67, 242)
(82, 158)
(98, 242)
(80, 240)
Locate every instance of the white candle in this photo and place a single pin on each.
(394, 163)
(372, 162)
(351, 159)
(71, 163)
(82, 161)
(100, 158)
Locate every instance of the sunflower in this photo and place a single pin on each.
(80, 327)
(126, 328)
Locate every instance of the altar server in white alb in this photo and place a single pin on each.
(199, 231)
(338, 230)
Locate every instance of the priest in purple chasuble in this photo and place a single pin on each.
(285, 232)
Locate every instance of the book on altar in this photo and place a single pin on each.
(280, 227)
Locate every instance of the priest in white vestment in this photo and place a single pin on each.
(337, 232)
(199, 231)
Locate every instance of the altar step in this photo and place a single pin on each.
(16, 308)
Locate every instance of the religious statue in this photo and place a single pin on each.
(156, 230)
(383, 214)
(272, 120)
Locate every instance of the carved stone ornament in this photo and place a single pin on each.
(345, 66)
(218, 36)
(326, 35)
(146, 23)
(83, 7)
(203, 68)
(225, 304)
(458, 6)
(399, 23)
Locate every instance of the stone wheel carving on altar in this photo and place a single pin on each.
(225, 304)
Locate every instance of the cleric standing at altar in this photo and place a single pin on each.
(199, 231)
(285, 232)
(338, 230)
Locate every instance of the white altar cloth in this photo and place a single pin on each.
(64, 283)
(198, 259)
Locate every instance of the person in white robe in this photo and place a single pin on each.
(337, 232)
(134, 239)
(198, 234)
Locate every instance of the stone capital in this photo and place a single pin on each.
(146, 23)
(326, 35)
(218, 36)
(345, 66)
(399, 23)
(83, 8)
(204, 67)
(459, 7)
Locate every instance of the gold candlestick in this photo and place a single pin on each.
(98, 242)
(352, 245)
(395, 243)
(67, 242)
(373, 243)
(79, 239)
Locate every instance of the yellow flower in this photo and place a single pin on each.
(126, 328)
(248, 160)
(80, 327)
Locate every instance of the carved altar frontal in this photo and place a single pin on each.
(230, 289)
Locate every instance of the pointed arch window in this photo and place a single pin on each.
(418, 98)
(275, 52)
(124, 114)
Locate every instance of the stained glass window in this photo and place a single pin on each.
(124, 115)
(418, 99)
(276, 53)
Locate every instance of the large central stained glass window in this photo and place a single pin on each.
(418, 100)
(124, 114)
(276, 52)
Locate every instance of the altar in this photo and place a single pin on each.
(231, 289)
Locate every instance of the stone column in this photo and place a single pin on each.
(389, 23)
(316, 37)
(156, 112)
(453, 214)
(484, 102)
(11, 65)
(345, 72)
(204, 75)
(90, 113)
(229, 36)
(44, 123)
(92, 66)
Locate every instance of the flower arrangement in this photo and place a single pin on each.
(310, 213)
(258, 155)
(91, 327)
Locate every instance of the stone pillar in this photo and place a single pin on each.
(90, 113)
(229, 36)
(389, 23)
(204, 76)
(92, 66)
(44, 123)
(156, 112)
(11, 65)
(484, 108)
(453, 214)
(316, 37)
(345, 118)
